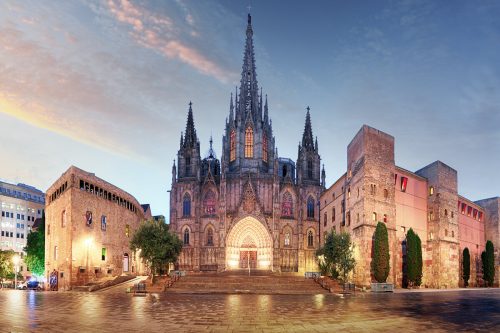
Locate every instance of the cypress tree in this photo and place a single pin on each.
(484, 265)
(466, 266)
(380, 262)
(490, 263)
(411, 257)
(418, 278)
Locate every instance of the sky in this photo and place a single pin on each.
(105, 85)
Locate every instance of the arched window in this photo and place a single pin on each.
(310, 208)
(287, 205)
(264, 148)
(186, 205)
(325, 219)
(186, 236)
(209, 202)
(210, 237)
(188, 166)
(287, 238)
(310, 169)
(232, 146)
(310, 239)
(249, 142)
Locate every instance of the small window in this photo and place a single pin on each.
(446, 232)
(55, 252)
(452, 214)
(385, 218)
(127, 230)
(452, 233)
(103, 254)
(104, 223)
(431, 190)
(404, 183)
(349, 192)
(333, 214)
(386, 193)
(446, 212)
(186, 236)
(310, 239)
(374, 216)
(210, 237)
(431, 216)
(325, 219)
(348, 217)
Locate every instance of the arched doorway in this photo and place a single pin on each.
(249, 243)
(125, 263)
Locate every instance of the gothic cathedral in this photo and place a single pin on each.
(252, 209)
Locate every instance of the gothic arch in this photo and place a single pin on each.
(209, 228)
(249, 231)
(310, 238)
(287, 236)
(209, 201)
(187, 236)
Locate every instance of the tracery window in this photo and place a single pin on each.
(310, 169)
(249, 142)
(287, 205)
(186, 205)
(264, 148)
(287, 238)
(186, 236)
(310, 239)
(310, 208)
(210, 237)
(232, 146)
(209, 202)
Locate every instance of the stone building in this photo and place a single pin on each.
(375, 190)
(89, 223)
(251, 208)
(21, 206)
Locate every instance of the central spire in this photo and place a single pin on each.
(249, 90)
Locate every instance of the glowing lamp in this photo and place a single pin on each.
(15, 260)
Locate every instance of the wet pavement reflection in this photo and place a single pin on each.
(29, 311)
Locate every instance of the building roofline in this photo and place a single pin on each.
(462, 198)
(411, 173)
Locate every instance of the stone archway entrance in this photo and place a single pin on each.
(249, 244)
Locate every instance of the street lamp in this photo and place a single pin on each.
(15, 260)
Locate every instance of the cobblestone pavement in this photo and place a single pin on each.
(28, 311)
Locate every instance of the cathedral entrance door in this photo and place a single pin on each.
(248, 258)
(249, 245)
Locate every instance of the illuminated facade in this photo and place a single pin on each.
(251, 208)
(88, 227)
(21, 206)
(375, 190)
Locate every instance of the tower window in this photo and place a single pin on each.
(188, 166)
(249, 142)
(232, 146)
(310, 169)
(310, 208)
(186, 205)
(264, 148)
(431, 190)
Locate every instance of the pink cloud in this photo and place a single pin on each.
(159, 34)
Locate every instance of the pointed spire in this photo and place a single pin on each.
(307, 137)
(174, 173)
(266, 112)
(190, 139)
(211, 152)
(323, 177)
(260, 103)
(231, 108)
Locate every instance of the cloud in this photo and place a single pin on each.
(158, 32)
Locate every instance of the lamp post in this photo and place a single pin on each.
(88, 243)
(15, 260)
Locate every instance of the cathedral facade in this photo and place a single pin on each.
(252, 208)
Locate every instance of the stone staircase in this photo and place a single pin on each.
(239, 282)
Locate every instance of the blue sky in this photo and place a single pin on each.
(104, 85)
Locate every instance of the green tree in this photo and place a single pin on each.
(380, 262)
(418, 280)
(158, 246)
(489, 272)
(413, 258)
(338, 255)
(6, 265)
(466, 266)
(35, 249)
(484, 265)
